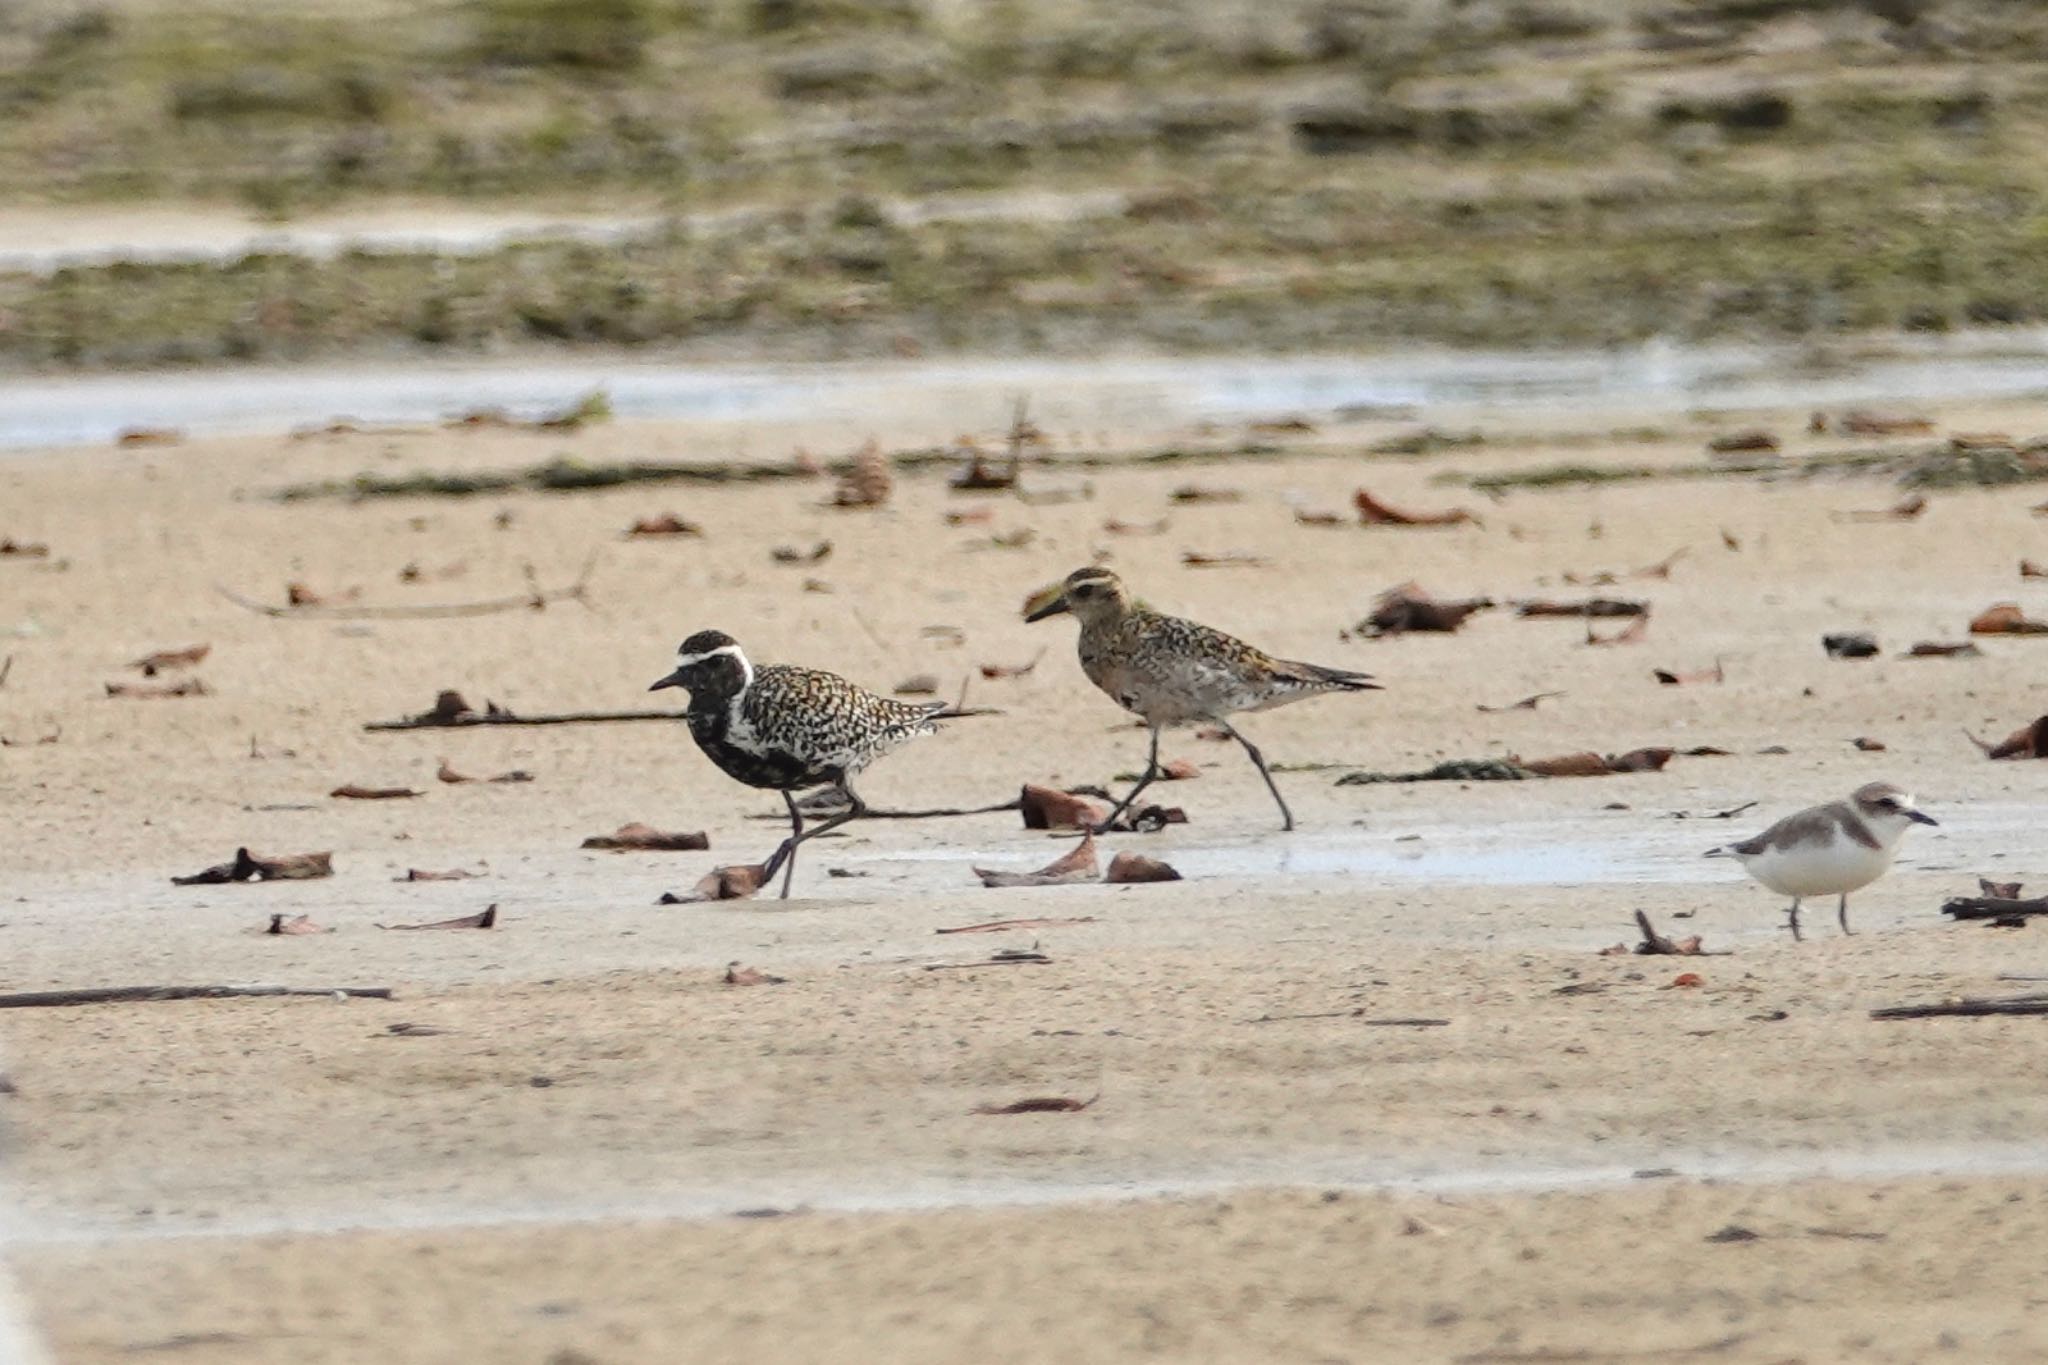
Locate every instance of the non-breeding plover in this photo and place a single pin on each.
(788, 729)
(1175, 672)
(1829, 850)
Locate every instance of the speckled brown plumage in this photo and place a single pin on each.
(1172, 671)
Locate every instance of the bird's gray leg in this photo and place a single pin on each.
(855, 808)
(1144, 781)
(785, 854)
(1259, 761)
(1842, 913)
(1792, 919)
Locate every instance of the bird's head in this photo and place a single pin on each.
(709, 663)
(1889, 808)
(1093, 594)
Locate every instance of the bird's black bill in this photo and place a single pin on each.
(1052, 608)
(674, 679)
(1919, 818)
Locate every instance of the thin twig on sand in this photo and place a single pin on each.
(110, 995)
(535, 599)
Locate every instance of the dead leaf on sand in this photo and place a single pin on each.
(1179, 770)
(1753, 441)
(1037, 1104)
(1050, 808)
(448, 773)
(995, 671)
(1129, 868)
(2006, 618)
(636, 837)
(247, 867)
(736, 975)
(1135, 528)
(789, 554)
(353, 792)
(1868, 745)
(1407, 607)
(10, 548)
(184, 687)
(131, 437)
(485, 918)
(1589, 764)
(1704, 675)
(1223, 559)
(1631, 634)
(297, 924)
(1528, 703)
(299, 595)
(1194, 492)
(1373, 512)
(2029, 741)
(868, 483)
(153, 664)
(1304, 517)
(737, 882)
(1930, 649)
(666, 524)
(2029, 569)
(1585, 606)
(2003, 891)
(1077, 864)
(1904, 510)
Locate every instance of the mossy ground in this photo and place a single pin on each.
(1313, 174)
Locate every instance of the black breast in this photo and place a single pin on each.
(767, 766)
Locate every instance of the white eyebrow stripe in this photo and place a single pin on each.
(685, 660)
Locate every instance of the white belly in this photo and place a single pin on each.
(1832, 869)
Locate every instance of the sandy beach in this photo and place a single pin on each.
(567, 1139)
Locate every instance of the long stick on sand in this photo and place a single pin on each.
(108, 995)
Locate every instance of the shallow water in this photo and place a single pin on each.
(800, 1194)
(1066, 394)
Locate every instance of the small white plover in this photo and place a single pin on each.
(1829, 850)
(1171, 671)
(788, 729)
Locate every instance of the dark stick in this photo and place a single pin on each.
(1994, 907)
(2011, 1004)
(106, 995)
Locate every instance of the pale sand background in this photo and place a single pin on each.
(184, 1166)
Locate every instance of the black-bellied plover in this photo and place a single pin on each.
(1829, 850)
(1170, 671)
(788, 729)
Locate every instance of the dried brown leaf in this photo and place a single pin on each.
(1077, 864)
(1868, 745)
(486, 918)
(297, 924)
(1407, 607)
(1037, 1104)
(148, 436)
(2029, 741)
(248, 867)
(1135, 528)
(736, 975)
(1129, 868)
(666, 524)
(1304, 517)
(152, 664)
(1373, 512)
(995, 671)
(1194, 492)
(1050, 808)
(184, 687)
(1583, 764)
(10, 548)
(1223, 559)
(2006, 618)
(1929, 649)
(352, 792)
(639, 838)
(870, 481)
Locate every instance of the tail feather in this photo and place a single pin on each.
(1343, 679)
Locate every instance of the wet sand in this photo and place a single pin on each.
(553, 1173)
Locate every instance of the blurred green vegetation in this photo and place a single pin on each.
(1292, 174)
